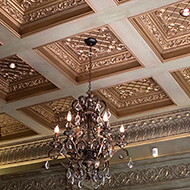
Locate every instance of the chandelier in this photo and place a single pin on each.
(88, 144)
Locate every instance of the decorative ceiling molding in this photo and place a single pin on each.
(25, 17)
(182, 76)
(50, 113)
(173, 172)
(156, 174)
(136, 96)
(145, 129)
(109, 55)
(165, 30)
(21, 81)
(11, 128)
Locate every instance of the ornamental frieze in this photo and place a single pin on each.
(55, 179)
(137, 130)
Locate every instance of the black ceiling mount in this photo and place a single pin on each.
(90, 41)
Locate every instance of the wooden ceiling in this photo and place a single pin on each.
(141, 63)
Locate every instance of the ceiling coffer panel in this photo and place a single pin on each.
(166, 31)
(71, 55)
(50, 113)
(11, 128)
(24, 17)
(19, 80)
(134, 97)
(182, 76)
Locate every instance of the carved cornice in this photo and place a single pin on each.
(145, 173)
(70, 55)
(158, 126)
(139, 130)
(23, 78)
(150, 175)
(134, 94)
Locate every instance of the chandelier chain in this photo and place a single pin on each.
(90, 72)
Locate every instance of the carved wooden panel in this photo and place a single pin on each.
(135, 96)
(109, 55)
(27, 16)
(166, 30)
(50, 113)
(182, 76)
(10, 128)
(21, 81)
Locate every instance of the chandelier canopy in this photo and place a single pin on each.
(88, 144)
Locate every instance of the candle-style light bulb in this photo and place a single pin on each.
(105, 117)
(69, 116)
(56, 130)
(122, 129)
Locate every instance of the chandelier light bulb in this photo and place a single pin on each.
(69, 117)
(122, 129)
(185, 12)
(105, 117)
(12, 65)
(56, 130)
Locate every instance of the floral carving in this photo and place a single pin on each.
(55, 180)
(23, 17)
(179, 171)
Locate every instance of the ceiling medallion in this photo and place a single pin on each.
(88, 144)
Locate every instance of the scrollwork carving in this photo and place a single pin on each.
(149, 175)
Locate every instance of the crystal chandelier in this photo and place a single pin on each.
(88, 144)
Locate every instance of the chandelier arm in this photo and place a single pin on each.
(102, 144)
(105, 106)
(75, 148)
(121, 149)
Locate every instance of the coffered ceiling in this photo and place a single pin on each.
(140, 66)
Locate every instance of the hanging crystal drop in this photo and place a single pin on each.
(68, 175)
(78, 107)
(79, 184)
(98, 107)
(99, 119)
(130, 163)
(73, 180)
(103, 180)
(110, 152)
(47, 165)
(63, 151)
(77, 119)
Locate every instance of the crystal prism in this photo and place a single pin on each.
(47, 165)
